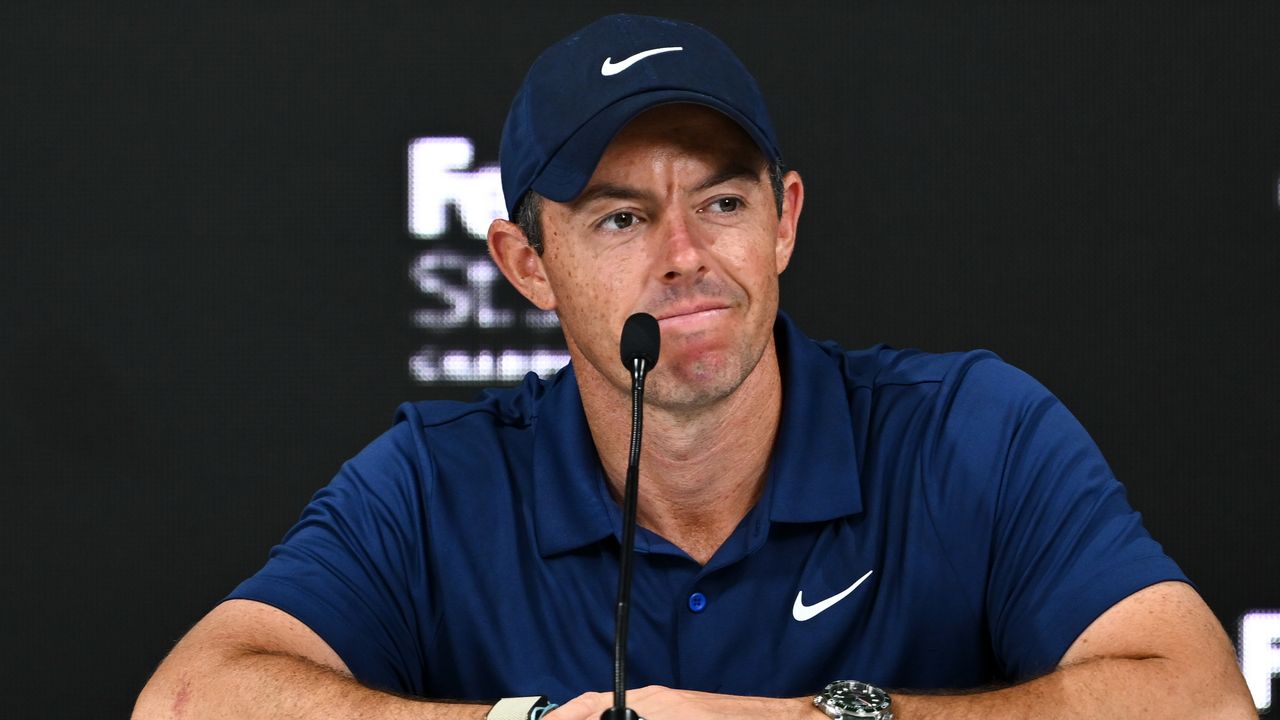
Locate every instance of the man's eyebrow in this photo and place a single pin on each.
(615, 191)
(732, 172)
(607, 190)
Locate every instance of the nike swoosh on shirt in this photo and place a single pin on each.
(613, 68)
(802, 612)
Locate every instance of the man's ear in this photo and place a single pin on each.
(520, 263)
(792, 203)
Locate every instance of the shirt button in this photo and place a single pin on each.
(697, 602)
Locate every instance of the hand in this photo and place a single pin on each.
(662, 703)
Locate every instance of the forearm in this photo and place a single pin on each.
(251, 684)
(1115, 688)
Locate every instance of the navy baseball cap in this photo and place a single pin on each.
(581, 91)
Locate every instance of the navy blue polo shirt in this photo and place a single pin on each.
(928, 522)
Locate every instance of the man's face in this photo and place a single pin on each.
(679, 221)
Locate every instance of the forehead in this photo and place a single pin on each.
(683, 130)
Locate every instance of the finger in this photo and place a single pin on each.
(649, 701)
(647, 691)
(586, 706)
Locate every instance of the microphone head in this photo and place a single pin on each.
(640, 339)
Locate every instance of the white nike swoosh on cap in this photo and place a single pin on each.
(613, 68)
(802, 612)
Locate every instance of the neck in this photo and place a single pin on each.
(701, 469)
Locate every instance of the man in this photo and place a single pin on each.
(813, 521)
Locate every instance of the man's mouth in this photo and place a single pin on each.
(692, 314)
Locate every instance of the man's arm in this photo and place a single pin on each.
(246, 659)
(1158, 653)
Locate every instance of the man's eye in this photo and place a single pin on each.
(619, 221)
(726, 205)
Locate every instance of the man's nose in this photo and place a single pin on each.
(683, 250)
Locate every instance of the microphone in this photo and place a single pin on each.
(641, 339)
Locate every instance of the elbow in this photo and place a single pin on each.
(159, 702)
(1232, 701)
(170, 694)
(1238, 706)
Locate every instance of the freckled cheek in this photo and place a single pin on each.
(600, 287)
(590, 291)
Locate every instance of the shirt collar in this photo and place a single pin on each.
(813, 475)
(568, 481)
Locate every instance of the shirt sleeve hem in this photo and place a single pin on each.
(312, 611)
(1105, 590)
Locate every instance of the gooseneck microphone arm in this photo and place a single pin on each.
(640, 344)
(620, 709)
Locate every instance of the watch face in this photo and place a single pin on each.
(850, 699)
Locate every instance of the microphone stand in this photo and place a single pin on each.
(620, 711)
(641, 341)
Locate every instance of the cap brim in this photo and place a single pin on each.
(567, 172)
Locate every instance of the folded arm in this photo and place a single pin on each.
(249, 660)
(1158, 653)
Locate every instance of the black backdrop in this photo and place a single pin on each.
(207, 302)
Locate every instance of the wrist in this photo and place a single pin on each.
(801, 708)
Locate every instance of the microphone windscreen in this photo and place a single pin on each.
(640, 339)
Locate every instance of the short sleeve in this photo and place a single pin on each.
(353, 568)
(1064, 543)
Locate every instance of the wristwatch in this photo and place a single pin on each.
(845, 699)
(518, 708)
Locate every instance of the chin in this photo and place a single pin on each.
(695, 384)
